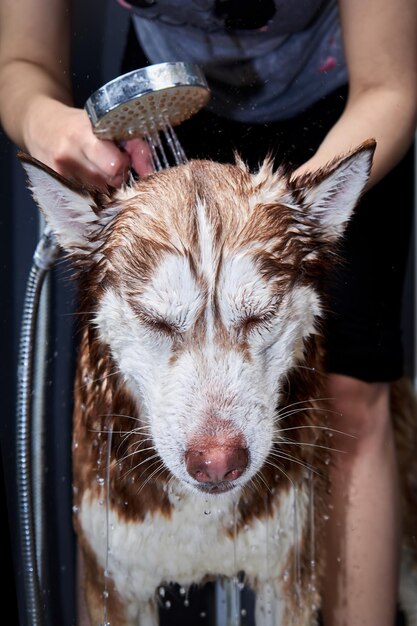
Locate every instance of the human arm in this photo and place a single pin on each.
(380, 41)
(36, 107)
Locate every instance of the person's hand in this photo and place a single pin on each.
(61, 136)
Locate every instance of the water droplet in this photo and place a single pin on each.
(105, 594)
(182, 591)
(207, 512)
(243, 612)
(326, 517)
(101, 502)
(100, 481)
(203, 614)
(186, 602)
(162, 592)
(286, 576)
(167, 604)
(75, 509)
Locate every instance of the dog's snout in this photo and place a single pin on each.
(216, 464)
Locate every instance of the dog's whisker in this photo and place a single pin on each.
(282, 416)
(132, 417)
(123, 433)
(288, 457)
(148, 459)
(309, 400)
(135, 467)
(138, 442)
(140, 451)
(326, 428)
(279, 469)
(255, 484)
(156, 472)
(263, 481)
(310, 369)
(290, 442)
(170, 481)
(92, 381)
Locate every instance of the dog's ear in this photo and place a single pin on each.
(71, 211)
(331, 194)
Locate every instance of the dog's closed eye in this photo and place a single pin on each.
(162, 326)
(157, 323)
(252, 322)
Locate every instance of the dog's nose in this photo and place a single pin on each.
(217, 464)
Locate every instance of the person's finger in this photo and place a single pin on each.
(112, 163)
(140, 156)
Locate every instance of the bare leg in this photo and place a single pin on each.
(364, 526)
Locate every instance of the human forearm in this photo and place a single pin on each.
(380, 46)
(34, 59)
(384, 114)
(26, 89)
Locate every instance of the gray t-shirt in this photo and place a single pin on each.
(255, 76)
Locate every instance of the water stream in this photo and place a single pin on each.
(312, 586)
(106, 487)
(165, 147)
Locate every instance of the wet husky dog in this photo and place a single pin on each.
(201, 446)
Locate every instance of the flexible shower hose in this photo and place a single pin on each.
(44, 258)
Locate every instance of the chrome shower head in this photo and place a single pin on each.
(148, 100)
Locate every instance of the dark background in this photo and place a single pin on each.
(99, 28)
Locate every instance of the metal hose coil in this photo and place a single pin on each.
(45, 255)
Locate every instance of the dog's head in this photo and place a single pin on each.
(205, 285)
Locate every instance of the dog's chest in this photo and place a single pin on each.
(199, 539)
